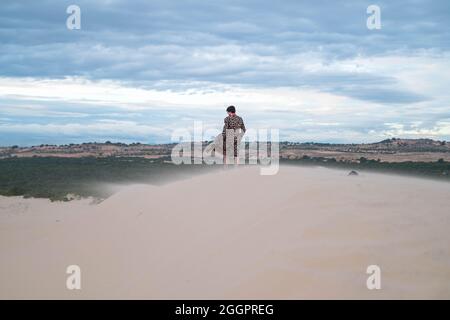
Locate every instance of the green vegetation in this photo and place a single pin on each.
(439, 169)
(55, 178)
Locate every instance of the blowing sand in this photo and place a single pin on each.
(303, 233)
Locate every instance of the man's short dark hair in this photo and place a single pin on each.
(231, 109)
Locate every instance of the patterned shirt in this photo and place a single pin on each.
(234, 122)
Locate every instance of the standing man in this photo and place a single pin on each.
(233, 128)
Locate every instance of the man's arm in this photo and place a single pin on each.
(225, 126)
(243, 125)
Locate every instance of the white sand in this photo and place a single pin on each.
(303, 233)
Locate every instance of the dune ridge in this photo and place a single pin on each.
(303, 233)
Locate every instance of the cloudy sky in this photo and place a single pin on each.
(137, 70)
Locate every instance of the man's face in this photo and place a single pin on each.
(231, 114)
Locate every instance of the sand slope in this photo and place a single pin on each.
(303, 233)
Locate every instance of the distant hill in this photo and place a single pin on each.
(416, 144)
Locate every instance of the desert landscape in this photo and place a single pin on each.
(307, 232)
(224, 156)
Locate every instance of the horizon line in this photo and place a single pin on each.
(203, 141)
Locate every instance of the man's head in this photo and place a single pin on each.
(231, 110)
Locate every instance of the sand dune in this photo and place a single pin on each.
(303, 233)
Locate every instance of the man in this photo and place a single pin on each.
(234, 124)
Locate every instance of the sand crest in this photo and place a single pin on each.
(303, 233)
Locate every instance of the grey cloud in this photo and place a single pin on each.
(253, 43)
